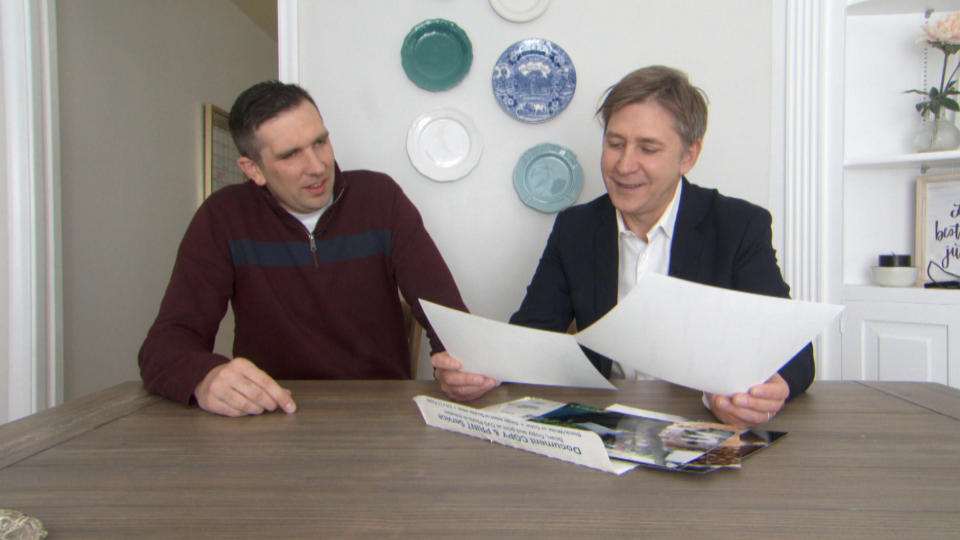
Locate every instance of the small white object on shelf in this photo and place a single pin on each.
(894, 276)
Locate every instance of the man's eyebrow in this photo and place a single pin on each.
(639, 140)
(649, 140)
(322, 137)
(289, 152)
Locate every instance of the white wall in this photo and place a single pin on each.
(349, 59)
(4, 304)
(133, 77)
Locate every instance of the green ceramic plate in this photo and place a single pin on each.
(436, 54)
(548, 177)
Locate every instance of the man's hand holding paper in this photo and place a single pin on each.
(753, 407)
(455, 383)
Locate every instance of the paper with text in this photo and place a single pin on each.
(573, 445)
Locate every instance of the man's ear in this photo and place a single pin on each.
(690, 156)
(252, 170)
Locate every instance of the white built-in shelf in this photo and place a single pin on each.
(886, 7)
(909, 295)
(930, 159)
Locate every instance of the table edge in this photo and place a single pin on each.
(929, 395)
(28, 436)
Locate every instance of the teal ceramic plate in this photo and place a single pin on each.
(548, 177)
(436, 54)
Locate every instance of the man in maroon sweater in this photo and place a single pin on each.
(309, 257)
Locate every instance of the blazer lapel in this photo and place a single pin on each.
(687, 247)
(606, 260)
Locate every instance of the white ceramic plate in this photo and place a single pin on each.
(519, 10)
(444, 145)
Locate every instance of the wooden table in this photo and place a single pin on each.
(869, 460)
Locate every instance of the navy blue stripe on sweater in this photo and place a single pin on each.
(342, 248)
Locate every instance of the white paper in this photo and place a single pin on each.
(512, 353)
(573, 445)
(708, 338)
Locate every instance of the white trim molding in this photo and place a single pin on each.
(802, 179)
(288, 41)
(810, 145)
(32, 176)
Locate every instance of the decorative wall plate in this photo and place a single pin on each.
(548, 177)
(436, 54)
(534, 80)
(519, 10)
(444, 145)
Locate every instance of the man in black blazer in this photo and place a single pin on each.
(652, 219)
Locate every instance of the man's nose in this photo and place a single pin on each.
(626, 162)
(315, 163)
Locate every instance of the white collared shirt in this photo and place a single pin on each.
(637, 256)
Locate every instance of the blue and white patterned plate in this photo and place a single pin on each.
(548, 177)
(534, 80)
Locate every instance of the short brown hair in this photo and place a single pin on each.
(256, 105)
(669, 88)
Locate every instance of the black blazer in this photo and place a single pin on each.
(718, 240)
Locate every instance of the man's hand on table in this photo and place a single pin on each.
(456, 384)
(239, 388)
(751, 408)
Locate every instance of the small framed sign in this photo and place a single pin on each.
(219, 153)
(938, 228)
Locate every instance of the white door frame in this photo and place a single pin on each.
(32, 314)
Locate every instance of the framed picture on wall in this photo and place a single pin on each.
(938, 228)
(219, 153)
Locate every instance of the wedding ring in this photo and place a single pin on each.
(768, 417)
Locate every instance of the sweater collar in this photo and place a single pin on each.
(339, 187)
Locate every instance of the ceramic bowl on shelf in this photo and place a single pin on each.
(894, 276)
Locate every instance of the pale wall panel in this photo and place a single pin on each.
(349, 55)
(133, 77)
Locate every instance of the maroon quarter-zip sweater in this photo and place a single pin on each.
(307, 305)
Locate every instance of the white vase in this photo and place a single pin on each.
(937, 134)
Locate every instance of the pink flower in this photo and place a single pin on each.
(946, 30)
(944, 35)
